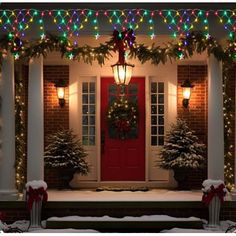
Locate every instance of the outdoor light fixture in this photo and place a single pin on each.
(61, 93)
(122, 72)
(187, 87)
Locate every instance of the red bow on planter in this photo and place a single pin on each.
(219, 192)
(36, 195)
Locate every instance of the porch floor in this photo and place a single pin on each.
(151, 195)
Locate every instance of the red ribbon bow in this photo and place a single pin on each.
(122, 126)
(123, 39)
(36, 195)
(219, 192)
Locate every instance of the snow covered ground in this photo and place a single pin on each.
(152, 195)
(23, 225)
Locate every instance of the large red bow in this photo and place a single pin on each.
(122, 126)
(123, 40)
(36, 195)
(219, 192)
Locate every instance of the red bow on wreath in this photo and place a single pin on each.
(36, 195)
(122, 126)
(219, 192)
(123, 39)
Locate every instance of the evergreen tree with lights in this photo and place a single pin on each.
(182, 149)
(65, 151)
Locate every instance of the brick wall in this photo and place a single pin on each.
(196, 113)
(55, 117)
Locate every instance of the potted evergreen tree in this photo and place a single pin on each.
(182, 152)
(66, 154)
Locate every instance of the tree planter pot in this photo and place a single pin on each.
(181, 175)
(59, 178)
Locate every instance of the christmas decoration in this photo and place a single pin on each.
(228, 120)
(195, 41)
(182, 149)
(70, 23)
(122, 115)
(65, 151)
(20, 143)
(212, 188)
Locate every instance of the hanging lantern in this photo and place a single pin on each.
(122, 70)
(61, 86)
(122, 73)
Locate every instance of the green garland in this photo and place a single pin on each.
(20, 163)
(186, 46)
(228, 120)
(122, 115)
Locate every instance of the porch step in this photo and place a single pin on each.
(154, 223)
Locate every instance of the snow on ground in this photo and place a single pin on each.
(23, 225)
(126, 218)
(151, 195)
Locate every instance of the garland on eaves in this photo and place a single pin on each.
(20, 159)
(228, 119)
(195, 41)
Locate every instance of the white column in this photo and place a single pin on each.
(35, 147)
(7, 156)
(215, 120)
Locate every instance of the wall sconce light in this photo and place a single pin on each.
(187, 87)
(60, 86)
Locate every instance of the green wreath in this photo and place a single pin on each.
(123, 116)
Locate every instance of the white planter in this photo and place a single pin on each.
(35, 216)
(214, 213)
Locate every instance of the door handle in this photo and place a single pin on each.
(103, 142)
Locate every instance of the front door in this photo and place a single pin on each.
(122, 145)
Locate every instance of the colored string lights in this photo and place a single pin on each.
(70, 23)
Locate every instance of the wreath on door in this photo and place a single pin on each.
(122, 116)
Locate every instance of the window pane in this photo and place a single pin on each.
(92, 98)
(85, 120)
(92, 109)
(154, 109)
(161, 130)
(153, 87)
(92, 87)
(153, 120)
(85, 130)
(85, 109)
(92, 130)
(85, 88)
(154, 98)
(161, 140)
(92, 120)
(154, 130)
(161, 98)
(160, 120)
(160, 87)
(85, 99)
(153, 140)
(160, 109)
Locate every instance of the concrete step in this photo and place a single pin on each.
(127, 224)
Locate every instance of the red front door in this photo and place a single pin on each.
(123, 159)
